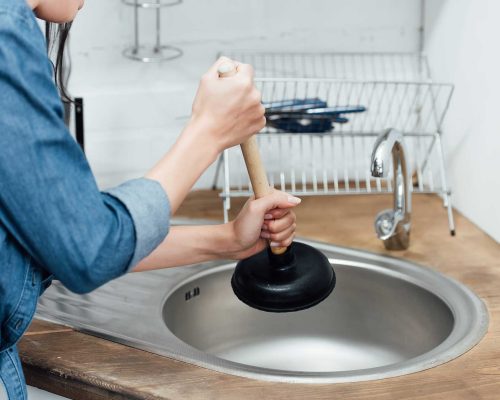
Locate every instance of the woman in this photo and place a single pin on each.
(54, 222)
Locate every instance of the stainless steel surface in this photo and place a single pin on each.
(393, 226)
(397, 91)
(387, 317)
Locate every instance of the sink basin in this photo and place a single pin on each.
(386, 317)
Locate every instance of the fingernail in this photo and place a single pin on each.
(265, 227)
(275, 244)
(265, 235)
(294, 200)
(268, 216)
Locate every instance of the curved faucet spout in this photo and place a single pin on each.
(393, 226)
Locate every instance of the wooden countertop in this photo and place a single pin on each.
(83, 367)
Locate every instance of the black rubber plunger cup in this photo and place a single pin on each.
(278, 279)
(295, 280)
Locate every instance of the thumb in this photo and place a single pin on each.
(277, 199)
(214, 69)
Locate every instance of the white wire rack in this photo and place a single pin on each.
(369, 66)
(395, 90)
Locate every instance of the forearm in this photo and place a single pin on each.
(189, 245)
(266, 218)
(184, 163)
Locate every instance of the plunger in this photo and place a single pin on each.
(278, 279)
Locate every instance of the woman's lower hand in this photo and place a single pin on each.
(269, 219)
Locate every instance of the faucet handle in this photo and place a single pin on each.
(386, 222)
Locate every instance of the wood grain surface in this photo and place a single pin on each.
(83, 367)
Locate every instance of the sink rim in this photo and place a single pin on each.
(82, 315)
(470, 325)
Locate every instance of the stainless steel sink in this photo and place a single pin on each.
(386, 317)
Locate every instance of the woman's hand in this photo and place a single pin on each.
(268, 219)
(226, 112)
(229, 109)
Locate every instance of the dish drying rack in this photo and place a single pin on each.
(396, 91)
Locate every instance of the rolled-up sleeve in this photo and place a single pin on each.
(148, 205)
(49, 199)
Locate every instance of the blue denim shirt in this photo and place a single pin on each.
(54, 222)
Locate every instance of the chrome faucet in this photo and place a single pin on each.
(393, 226)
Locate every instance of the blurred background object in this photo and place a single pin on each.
(152, 51)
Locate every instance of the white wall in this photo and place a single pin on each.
(462, 45)
(133, 111)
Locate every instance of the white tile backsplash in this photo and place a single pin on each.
(137, 110)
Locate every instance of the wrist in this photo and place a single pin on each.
(200, 132)
(227, 245)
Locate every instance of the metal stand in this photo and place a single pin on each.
(158, 52)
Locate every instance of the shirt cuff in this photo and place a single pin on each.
(149, 207)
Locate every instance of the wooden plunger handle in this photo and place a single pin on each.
(251, 154)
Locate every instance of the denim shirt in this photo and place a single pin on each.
(54, 221)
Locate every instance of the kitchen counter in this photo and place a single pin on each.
(83, 367)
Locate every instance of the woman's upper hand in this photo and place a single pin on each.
(227, 110)
(268, 219)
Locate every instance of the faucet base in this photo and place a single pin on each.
(398, 242)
